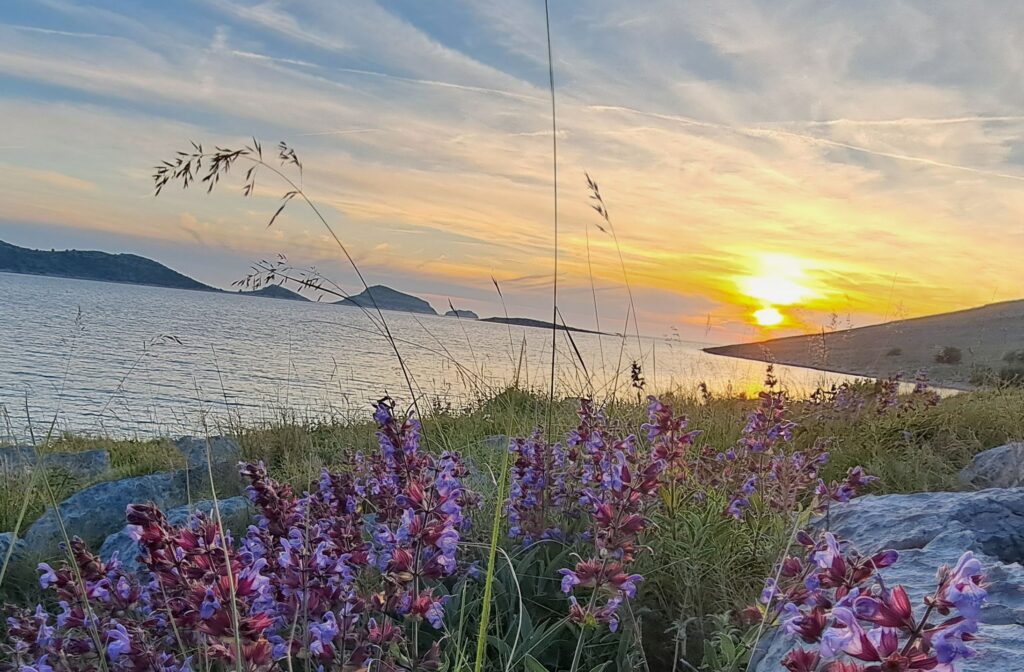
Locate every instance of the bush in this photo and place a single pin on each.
(949, 355)
(982, 375)
(1013, 372)
(894, 352)
(1014, 357)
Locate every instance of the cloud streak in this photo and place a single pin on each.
(721, 137)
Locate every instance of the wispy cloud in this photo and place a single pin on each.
(722, 135)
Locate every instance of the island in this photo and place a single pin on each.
(541, 324)
(961, 349)
(385, 298)
(274, 292)
(462, 313)
(92, 265)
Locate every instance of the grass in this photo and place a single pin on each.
(701, 567)
(920, 450)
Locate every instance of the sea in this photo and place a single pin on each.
(129, 361)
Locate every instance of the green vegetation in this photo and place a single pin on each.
(920, 449)
(949, 355)
(1012, 371)
(701, 567)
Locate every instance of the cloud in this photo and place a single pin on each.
(50, 178)
(867, 144)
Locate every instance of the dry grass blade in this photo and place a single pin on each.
(602, 209)
(554, 190)
(187, 165)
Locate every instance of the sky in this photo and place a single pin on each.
(770, 167)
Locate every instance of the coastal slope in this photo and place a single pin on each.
(956, 349)
(92, 265)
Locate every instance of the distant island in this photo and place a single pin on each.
(135, 270)
(540, 324)
(89, 265)
(460, 312)
(960, 349)
(274, 292)
(385, 298)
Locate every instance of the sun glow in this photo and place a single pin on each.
(776, 290)
(768, 317)
(777, 280)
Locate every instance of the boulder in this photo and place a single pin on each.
(98, 511)
(929, 530)
(84, 465)
(236, 514)
(222, 450)
(1001, 467)
(497, 442)
(5, 545)
(224, 455)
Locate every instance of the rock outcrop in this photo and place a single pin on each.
(929, 530)
(223, 454)
(221, 449)
(1000, 467)
(98, 511)
(5, 545)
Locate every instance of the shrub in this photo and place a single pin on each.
(1012, 375)
(982, 376)
(894, 352)
(1013, 372)
(1014, 357)
(948, 355)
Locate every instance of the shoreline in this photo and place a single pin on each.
(964, 349)
(719, 351)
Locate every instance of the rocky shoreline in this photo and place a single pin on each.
(97, 513)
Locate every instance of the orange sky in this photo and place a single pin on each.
(814, 165)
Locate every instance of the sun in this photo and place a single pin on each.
(768, 317)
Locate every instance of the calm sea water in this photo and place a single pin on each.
(127, 360)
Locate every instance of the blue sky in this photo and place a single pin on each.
(857, 158)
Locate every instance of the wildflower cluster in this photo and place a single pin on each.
(619, 484)
(881, 398)
(834, 600)
(419, 501)
(528, 493)
(105, 617)
(336, 578)
(607, 483)
(764, 464)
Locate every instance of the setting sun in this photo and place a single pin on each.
(768, 317)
